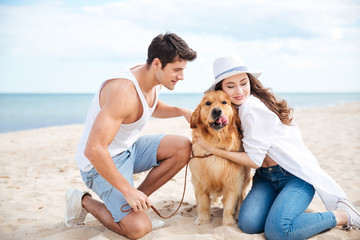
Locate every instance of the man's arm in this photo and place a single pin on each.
(118, 103)
(164, 110)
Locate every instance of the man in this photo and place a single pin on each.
(110, 149)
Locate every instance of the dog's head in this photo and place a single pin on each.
(214, 112)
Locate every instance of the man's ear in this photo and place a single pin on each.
(156, 63)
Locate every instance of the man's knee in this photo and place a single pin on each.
(183, 151)
(137, 228)
(184, 146)
(175, 147)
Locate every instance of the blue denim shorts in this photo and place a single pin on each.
(140, 157)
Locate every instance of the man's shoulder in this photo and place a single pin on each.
(120, 85)
(120, 90)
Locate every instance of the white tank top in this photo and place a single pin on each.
(127, 133)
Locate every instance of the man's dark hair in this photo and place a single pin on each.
(169, 48)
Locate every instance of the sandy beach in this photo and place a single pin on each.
(38, 166)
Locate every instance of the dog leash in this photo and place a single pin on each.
(183, 195)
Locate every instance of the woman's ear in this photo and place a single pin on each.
(195, 117)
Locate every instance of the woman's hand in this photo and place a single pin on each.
(206, 147)
(236, 157)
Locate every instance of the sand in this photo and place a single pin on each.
(38, 166)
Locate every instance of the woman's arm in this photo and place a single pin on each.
(237, 157)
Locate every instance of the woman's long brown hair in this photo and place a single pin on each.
(278, 106)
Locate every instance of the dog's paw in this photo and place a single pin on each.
(229, 221)
(202, 220)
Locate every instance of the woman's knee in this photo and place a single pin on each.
(252, 215)
(250, 226)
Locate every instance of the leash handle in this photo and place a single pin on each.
(154, 209)
(128, 210)
(182, 199)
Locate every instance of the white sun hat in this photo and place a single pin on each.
(228, 66)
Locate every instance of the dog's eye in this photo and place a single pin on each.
(224, 102)
(208, 103)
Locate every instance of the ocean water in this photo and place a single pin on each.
(30, 111)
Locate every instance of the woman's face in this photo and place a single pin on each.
(237, 87)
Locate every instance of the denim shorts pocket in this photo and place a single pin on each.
(100, 186)
(88, 177)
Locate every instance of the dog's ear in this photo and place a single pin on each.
(195, 117)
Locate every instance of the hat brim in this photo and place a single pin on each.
(255, 74)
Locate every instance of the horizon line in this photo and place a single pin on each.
(169, 93)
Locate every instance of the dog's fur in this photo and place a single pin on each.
(215, 176)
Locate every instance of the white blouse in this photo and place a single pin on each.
(264, 133)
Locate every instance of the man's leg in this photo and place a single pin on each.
(133, 226)
(173, 154)
(130, 224)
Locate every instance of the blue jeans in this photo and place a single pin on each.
(276, 205)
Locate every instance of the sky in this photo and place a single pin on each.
(72, 46)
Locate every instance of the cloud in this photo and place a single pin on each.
(95, 37)
(246, 20)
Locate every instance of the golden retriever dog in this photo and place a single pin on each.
(215, 121)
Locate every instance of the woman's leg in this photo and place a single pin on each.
(256, 206)
(287, 218)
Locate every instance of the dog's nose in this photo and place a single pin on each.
(216, 113)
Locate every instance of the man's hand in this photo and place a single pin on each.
(187, 114)
(163, 110)
(137, 200)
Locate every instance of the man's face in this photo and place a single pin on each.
(171, 74)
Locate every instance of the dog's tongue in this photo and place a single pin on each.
(223, 120)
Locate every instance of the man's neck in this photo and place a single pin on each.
(145, 77)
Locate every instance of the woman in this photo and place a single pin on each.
(287, 174)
